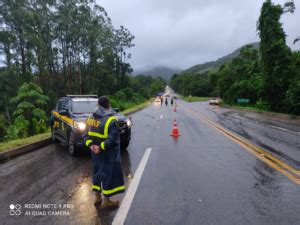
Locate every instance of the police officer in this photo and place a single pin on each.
(103, 139)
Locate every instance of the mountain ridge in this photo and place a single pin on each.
(167, 72)
(214, 65)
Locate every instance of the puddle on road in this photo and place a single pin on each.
(84, 211)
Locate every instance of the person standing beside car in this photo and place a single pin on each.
(103, 139)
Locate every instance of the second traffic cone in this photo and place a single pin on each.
(175, 123)
(175, 131)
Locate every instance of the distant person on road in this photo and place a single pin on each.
(172, 101)
(103, 139)
(166, 101)
(161, 100)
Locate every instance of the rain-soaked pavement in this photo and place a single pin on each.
(203, 177)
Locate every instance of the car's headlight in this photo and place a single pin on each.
(128, 123)
(81, 125)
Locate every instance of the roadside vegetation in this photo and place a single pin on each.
(53, 48)
(269, 77)
(250, 108)
(195, 98)
(141, 89)
(138, 107)
(4, 146)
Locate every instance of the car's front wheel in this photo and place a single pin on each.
(73, 150)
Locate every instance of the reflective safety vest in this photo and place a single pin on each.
(98, 130)
(107, 169)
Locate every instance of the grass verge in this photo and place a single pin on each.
(5, 146)
(195, 99)
(254, 109)
(251, 108)
(137, 107)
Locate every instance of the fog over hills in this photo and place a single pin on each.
(157, 71)
(167, 72)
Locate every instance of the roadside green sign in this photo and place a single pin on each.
(243, 100)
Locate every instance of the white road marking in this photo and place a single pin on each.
(161, 116)
(285, 130)
(279, 128)
(127, 201)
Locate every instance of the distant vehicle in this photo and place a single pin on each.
(160, 94)
(157, 99)
(68, 121)
(216, 101)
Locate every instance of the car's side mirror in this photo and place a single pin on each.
(117, 110)
(63, 112)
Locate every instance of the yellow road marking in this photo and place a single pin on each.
(255, 148)
(266, 157)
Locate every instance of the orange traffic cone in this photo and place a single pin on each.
(175, 131)
(175, 108)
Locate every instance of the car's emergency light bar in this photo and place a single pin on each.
(82, 96)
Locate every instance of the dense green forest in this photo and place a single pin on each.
(52, 48)
(268, 76)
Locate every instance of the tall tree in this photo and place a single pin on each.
(14, 14)
(30, 117)
(276, 57)
(123, 41)
(41, 37)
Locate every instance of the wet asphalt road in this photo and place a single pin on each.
(203, 177)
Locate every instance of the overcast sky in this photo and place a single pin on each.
(182, 33)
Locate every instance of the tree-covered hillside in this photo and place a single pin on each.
(214, 65)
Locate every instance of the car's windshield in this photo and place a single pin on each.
(84, 106)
